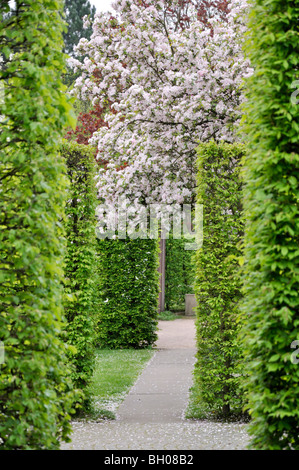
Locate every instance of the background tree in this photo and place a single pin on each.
(169, 87)
(207, 9)
(74, 11)
(179, 14)
(87, 124)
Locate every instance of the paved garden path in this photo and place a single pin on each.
(152, 414)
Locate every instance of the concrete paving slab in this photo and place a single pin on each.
(161, 392)
(184, 435)
(176, 334)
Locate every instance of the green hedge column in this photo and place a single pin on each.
(271, 274)
(129, 287)
(81, 268)
(36, 395)
(217, 284)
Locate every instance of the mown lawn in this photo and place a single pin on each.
(115, 373)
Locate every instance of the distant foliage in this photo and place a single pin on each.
(81, 273)
(271, 273)
(36, 392)
(218, 286)
(74, 11)
(179, 273)
(129, 289)
(87, 124)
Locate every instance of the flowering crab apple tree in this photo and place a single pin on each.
(90, 121)
(171, 84)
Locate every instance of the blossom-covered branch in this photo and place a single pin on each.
(169, 90)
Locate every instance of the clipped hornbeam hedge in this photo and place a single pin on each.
(271, 272)
(36, 392)
(219, 362)
(128, 292)
(179, 273)
(81, 272)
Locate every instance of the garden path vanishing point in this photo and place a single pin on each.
(151, 417)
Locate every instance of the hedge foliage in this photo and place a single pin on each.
(179, 273)
(128, 293)
(81, 272)
(271, 274)
(36, 393)
(217, 285)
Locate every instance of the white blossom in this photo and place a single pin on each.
(170, 89)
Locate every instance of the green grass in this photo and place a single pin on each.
(115, 373)
(167, 315)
